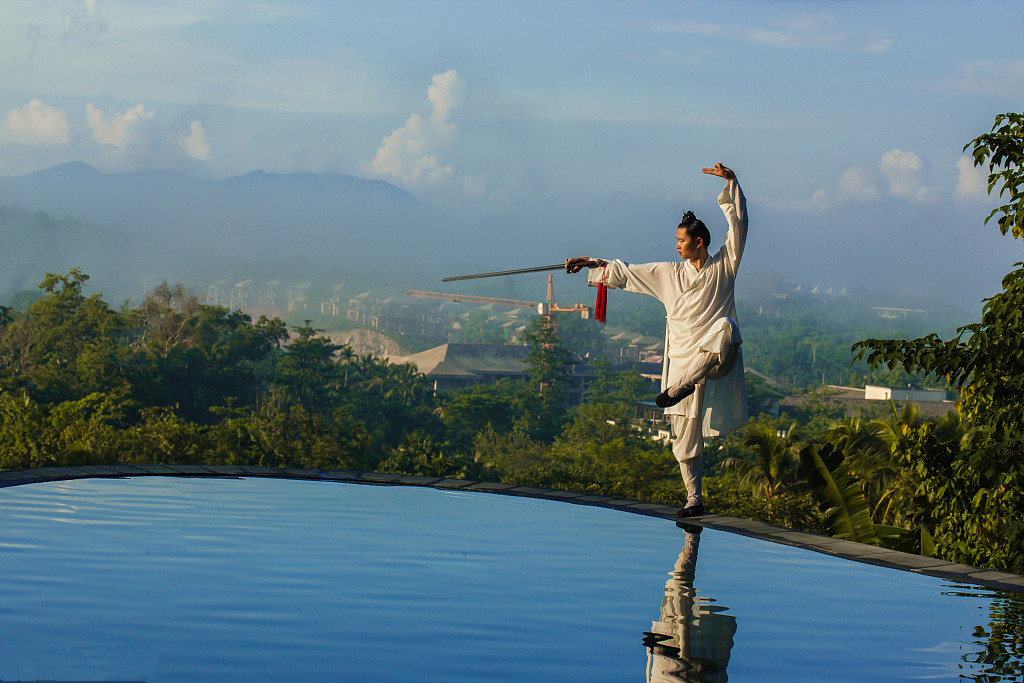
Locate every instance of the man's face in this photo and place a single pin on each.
(688, 247)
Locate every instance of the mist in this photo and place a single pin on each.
(129, 231)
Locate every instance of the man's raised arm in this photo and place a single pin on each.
(734, 206)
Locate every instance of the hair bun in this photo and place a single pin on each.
(688, 217)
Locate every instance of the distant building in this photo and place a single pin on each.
(455, 366)
(240, 295)
(873, 393)
(217, 294)
(930, 402)
(266, 296)
(298, 296)
(891, 313)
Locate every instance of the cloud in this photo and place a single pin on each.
(972, 181)
(902, 170)
(819, 201)
(986, 77)
(84, 21)
(791, 31)
(856, 184)
(38, 123)
(411, 154)
(195, 142)
(117, 130)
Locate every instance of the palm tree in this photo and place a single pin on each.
(867, 449)
(775, 464)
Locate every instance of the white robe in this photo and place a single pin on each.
(696, 302)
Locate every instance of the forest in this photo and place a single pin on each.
(173, 380)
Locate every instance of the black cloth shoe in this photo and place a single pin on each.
(690, 511)
(665, 401)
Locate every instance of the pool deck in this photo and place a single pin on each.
(828, 545)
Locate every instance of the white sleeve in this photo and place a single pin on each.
(734, 206)
(643, 278)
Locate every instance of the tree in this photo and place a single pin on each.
(774, 468)
(549, 373)
(307, 371)
(973, 490)
(69, 344)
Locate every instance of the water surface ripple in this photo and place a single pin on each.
(168, 579)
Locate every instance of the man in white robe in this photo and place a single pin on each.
(704, 392)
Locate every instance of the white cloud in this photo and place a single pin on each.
(195, 142)
(38, 123)
(902, 170)
(972, 181)
(791, 31)
(84, 21)
(411, 153)
(856, 183)
(117, 130)
(987, 77)
(819, 201)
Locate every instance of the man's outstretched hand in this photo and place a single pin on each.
(720, 171)
(575, 265)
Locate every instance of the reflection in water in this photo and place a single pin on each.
(999, 647)
(692, 640)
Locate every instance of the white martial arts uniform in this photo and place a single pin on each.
(700, 307)
(693, 638)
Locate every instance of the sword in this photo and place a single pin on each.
(538, 269)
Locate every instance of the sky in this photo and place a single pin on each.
(564, 128)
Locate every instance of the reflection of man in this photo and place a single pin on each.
(704, 393)
(692, 641)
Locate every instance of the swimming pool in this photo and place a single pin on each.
(177, 579)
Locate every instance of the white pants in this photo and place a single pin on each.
(687, 448)
(689, 438)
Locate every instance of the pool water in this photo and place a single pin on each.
(178, 579)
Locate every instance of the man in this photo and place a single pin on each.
(704, 392)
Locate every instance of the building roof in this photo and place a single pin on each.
(852, 400)
(468, 360)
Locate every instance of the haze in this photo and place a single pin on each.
(527, 132)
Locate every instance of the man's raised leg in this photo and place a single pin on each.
(716, 357)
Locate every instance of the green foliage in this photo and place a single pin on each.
(481, 327)
(838, 494)
(1002, 150)
(772, 467)
(807, 343)
(306, 372)
(610, 386)
(419, 454)
(23, 299)
(969, 486)
(465, 412)
(544, 411)
(581, 335)
(796, 511)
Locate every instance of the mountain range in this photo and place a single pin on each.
(127, 227)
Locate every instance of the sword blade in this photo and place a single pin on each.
(556, 266)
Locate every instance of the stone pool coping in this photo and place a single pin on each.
(837, 547)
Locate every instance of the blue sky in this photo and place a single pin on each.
(588, 121)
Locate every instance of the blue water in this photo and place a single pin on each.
(164, 579)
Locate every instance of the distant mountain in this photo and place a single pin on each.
(170, 225)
